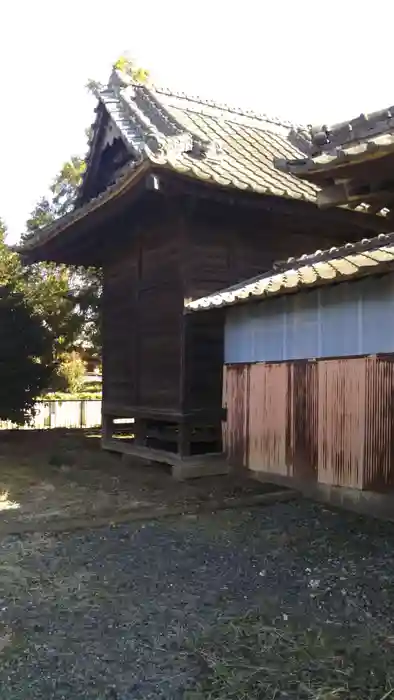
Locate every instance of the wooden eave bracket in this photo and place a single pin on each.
(345, 192)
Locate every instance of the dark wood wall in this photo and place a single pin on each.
(143, 315)
(225, 245)
(160, 302)
(120, 277)
(157, 360)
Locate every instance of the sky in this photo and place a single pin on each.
(305, 61)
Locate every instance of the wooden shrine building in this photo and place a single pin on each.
(180, 198)
(352, 163)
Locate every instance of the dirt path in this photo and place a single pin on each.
(287, 601)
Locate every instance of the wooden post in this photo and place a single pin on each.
(107, 428)
(184, 443)
(140, 432)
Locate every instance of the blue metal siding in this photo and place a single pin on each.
(352, 318)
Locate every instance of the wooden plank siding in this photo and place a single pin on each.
(325, 420)
(158, 363)
(118, 319)
(160, 309)
(142, 319)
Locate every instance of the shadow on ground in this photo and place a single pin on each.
(47, 476)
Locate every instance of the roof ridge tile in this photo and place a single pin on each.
(228, 108)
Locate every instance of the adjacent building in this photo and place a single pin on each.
(180, 198)
(309, 367)
(309, 347)
(352, 163)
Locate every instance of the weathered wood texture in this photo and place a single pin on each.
(118, 318)
(142, 321)
(156, 360)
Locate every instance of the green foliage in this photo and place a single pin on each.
(62, 194)
(67, 298)
(65, 185)
(70, 373)
(93, 387)
(46, 289)
(10, 267)
(122, 64)
(25, 356)
(25, 343)
(66, 396)
(131, 69)
(46, 310)
(41, 216)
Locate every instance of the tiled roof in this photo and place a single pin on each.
(369, 135)
(366, 126)
(368, 256)
(199, 138)
(211, 142)
(329, 153)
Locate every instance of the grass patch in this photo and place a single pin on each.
(252, 658)
(88, 394)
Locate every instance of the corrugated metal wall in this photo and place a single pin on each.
(341, 421)
(332, 321)
(268, 421)
(330, 420)
(236, 393)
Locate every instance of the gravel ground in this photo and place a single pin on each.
(118, 613)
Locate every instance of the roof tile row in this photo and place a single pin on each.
(368, 256)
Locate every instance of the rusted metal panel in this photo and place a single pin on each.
(330, 420)
(272, 417)
(236, 386)
(303, 417)
(342, 415)
(268, 419)
(379, 432)
(356, 422)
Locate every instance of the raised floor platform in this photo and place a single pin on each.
(181, 467)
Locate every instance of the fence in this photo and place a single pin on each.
(62, 414)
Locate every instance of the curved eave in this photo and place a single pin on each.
(333, 164)
(78, 215)
(230, 183)
(128, 181)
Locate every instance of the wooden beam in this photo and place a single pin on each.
(332, 196)
(254, 205)
(353, 193)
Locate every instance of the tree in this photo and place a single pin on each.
(25, 344)
(70, 373)
(47, 288)
(25, 356)
(66, 297)
(10, 267)
(42, 215)
(65, 186)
